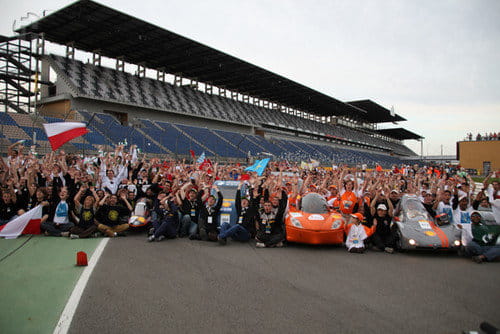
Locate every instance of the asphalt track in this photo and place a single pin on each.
(183, 286)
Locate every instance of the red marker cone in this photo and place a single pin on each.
(81, 259)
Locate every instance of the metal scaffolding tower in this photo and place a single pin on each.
(18, 68)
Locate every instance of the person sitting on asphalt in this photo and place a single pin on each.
(244, 228)
(209, 214)
(357, 233)
(59, 224)
(111, 218)
(483, 240)
(84, 214)
(167, 220)
(270, 231)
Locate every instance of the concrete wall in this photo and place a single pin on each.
(473, 154)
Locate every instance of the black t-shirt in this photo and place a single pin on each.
(112, 215)
(7, 211)
(86, 217)
(383, 224)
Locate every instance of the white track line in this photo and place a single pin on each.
(69, 311)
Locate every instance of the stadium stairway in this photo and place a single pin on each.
(252, 140)
(145, 134)
(214, 133)
(175, 140)
(181, 130)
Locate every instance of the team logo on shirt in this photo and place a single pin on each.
(87, 215)
(113, 215)
(464, 218)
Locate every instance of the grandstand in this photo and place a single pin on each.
(229, 109)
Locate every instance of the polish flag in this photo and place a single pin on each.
(28, 223)
(62, 132)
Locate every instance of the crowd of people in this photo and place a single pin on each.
(89, 196)
(486, 136)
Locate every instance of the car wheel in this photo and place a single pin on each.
(399, 240)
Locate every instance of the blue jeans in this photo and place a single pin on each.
(490, 252)
(188, 227)
(165, 227)
(236, 232)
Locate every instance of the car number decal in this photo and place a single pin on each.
(424, 224)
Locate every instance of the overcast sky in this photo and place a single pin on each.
(436, 62)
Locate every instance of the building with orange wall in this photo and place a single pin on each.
(481, 155)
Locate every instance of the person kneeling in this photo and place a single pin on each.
(357, 233)
(207, 220)
(270, 231)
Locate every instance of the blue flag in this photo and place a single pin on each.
(259, 166)
(252, 168)
(201, 158)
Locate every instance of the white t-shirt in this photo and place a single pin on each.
(495, 208)
(62, 212)
(445, 208)
(356, 237)
(463, 217)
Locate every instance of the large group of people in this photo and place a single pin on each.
(89, 196)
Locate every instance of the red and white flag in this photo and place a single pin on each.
(62, 132)
(27, 223)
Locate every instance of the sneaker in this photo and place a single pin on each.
(74, 236)
(389, 250)
(46, 233)
(222, 241)
(478, 259)
(279, 244)
(160, 238)
(151, 231)
(95, 235)
(260, 245)
(64, 234)
(151, 238)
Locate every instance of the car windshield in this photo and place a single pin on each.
(413, 209)
(314, 203)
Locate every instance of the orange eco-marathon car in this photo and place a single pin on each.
(313, 223)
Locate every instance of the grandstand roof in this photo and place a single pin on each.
(399, 133)
(91, 26)
(375, 112)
